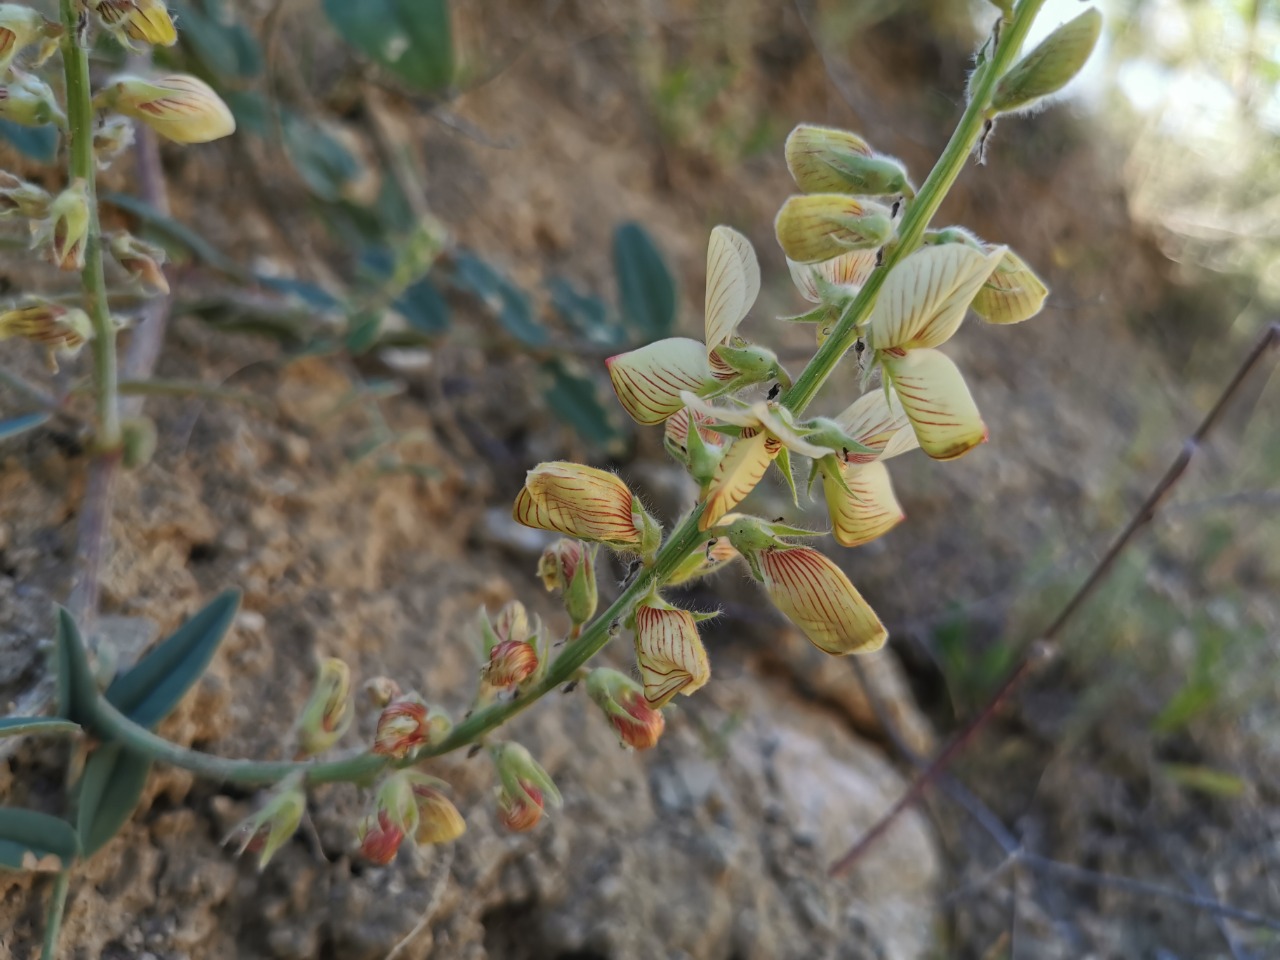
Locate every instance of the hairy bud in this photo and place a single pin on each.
(622, 700)
(1050, 66)
(146, 21)
(180, 108)
(821, 226)
(827, 160)
(59, 329)
(569, 567)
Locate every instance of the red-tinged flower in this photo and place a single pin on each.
(622, 700)
(586, 503)
(511, 662)
(569, 567)
(520, 811)
(267, 830)
(671, 657)
(379, 837)
(817, 597)
(328, 712)
(438, 819)
(407, 724)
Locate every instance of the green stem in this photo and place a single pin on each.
(53, 921)
(109, 723)
(80, 123)
(919, 211)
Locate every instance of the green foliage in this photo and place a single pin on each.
(646, 289)
(77, 689)
(410, 39)
(24, 726)
(38, 143)
(108, 792)
(33, 840)
(147, 693)
(22, 423)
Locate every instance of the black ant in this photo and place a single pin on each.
(774, 391)
(569, 687)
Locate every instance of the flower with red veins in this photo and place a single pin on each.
(670, 653)
(379, 838)
(622, 699)
(815, 595)
(510, 662)
(525, 788)
(520, 811)
(585, 503)
(406, 724)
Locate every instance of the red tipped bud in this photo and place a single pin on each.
(526, 787)
(394, 816)
(569, 566)
(511, 662)
(622, 700)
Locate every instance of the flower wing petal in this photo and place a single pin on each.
(870, 512)
(924, 300)
(934, 395)
(733, 283)
(649, 380)
(817, 597)
(741, 468)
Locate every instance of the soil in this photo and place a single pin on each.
(716, 843)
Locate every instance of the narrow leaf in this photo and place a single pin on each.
(148, 692)
(30, 840)
(39, 726)
(411, 39)
(76, 687)
(110, 787)
(646, 289)
(21, 424)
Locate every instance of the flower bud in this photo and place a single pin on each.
(406, 724)
(669, 652)
(59, 329)
(821, 226)
(512, 623)
(266, 831)
(525, 787)
(328, 712)
(511, 662)
(68, 226)
(815, 595)
(569, 566)
(1050, 66)
(622, 700)
(28, 101)
(585, 503)
(179, 107)
(394, 816)
(22, 198)
(381, 691)
(702, 563)
(141, 260)
(827, 160)
(438, 819)
(146, 21)
(20, 26)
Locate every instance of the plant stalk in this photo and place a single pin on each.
(919, 211)
(53, 920)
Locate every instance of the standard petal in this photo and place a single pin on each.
(924, 300)
(670, 653)
(870, 512)
(733, 283)
(648, 381)
(741, 468)
(1012, 293)
(817, 597)
(936, 399)
(578, 501)
(875, 420)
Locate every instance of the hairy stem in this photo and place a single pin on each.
(919, 211)
(80, 123)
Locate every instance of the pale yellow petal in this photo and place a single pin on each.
(738, 416)
(874, 420)
(771, 418)
(741, 468)
(649, 381)
(934, 395)
(1012, 293)
(819, 226)
(870, 512)
(578, 501)
(849, 270)
(815, 595)
(925, 298)
(733, 283)
(670, 654)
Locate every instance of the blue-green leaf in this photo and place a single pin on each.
(424, 309)
(38, 143)
(21, 424)
(77, 689)
(221, 43)
(507, 301)
(588, 315)
(30, 840)
(576, 401)
(411, 39)
(42, 726)
(646, 289)
(109, 790)
(152, 688)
